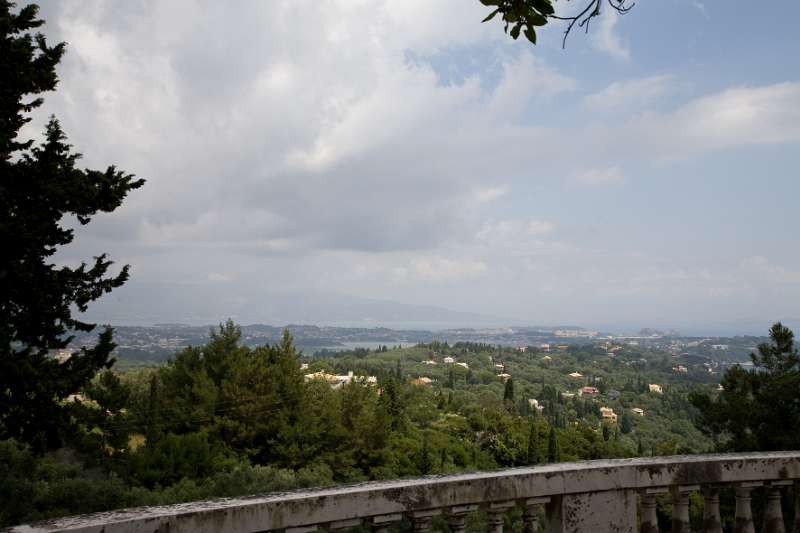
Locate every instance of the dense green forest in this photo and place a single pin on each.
(225, 419)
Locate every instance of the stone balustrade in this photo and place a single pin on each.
(593, 496)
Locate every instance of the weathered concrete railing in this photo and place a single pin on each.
(592, 496)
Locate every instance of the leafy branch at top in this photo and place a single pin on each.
(523, 16)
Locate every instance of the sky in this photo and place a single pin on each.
(645, 175)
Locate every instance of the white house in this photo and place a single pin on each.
(337, 382)
(534, 404)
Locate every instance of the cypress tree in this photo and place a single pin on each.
(553, 450)
(626, 424)
(40, 187)
(508, 393)
(424, 462)
(153, 428)
(533, 445)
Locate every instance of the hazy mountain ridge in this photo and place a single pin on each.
(139, 303)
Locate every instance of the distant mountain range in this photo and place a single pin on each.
(138, 303)
(145, 304)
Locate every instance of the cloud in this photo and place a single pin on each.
(490, 194)
(761, 266)
(271, 156)
(294, 145)
(443, 270)
(599, 176)
(524, 79)
(265, 156)
(539, 227)
(514, 230)
(630, 95)
(605, 38)
(701, 7)
(735, 117)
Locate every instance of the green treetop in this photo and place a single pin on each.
(756, 409)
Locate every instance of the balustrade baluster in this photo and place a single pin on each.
(796, 526)
(422, 519)
(530, 517)
(383, 523)
(773, 514)
(495, 521)
(744, 513)
(496, 512)
(712, 523)
(680, 509)
(649, 519)
(457, 517)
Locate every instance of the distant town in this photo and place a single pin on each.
(155, 344)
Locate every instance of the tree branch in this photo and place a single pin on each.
(591, 10)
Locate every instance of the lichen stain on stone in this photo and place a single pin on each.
(412, 498)
(701, 472)
(654, 471)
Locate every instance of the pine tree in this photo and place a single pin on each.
(42, 186)
(778, 356)
(755, 407)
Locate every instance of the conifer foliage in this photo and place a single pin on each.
(41, 188)
(757, 409)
